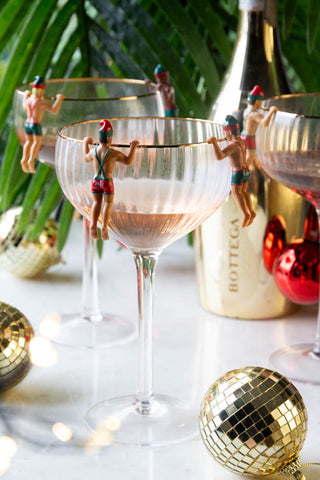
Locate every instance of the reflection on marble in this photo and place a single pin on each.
(192, 348)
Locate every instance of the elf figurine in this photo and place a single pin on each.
(252, 118)
(236, 151)
(104, 158)
(35, 105)
(166, 89)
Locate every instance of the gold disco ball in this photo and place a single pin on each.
(22, 257)
(15, 336)
(254, 421)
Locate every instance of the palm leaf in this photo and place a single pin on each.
(65, 220)
(155, 48)
(36, 186)
(10, 18)
(214, 25)
(289, 11)
(313, 22)
(63, 61)
(23, 52)
(193, 41)
(47, 46)
(48, 204)
(108, 44)
(9, 153)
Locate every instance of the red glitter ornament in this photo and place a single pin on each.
(274, 241)
(296, 270)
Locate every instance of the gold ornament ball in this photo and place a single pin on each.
(15, 336)
(253, 421)
(22, 257)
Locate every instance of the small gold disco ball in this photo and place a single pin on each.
(15, 336)
(22, 257)
(253, 421)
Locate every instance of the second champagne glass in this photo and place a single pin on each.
(289, 152)
(173, 185)
(89, 98)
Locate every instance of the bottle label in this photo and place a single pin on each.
(252, 5)
(233, 281)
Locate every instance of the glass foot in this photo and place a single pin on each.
(102, 331)
(298, 362)
(169, 421)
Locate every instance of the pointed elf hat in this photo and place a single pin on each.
(256, 93)
(230, 123)
(160, 71)
(38, 82)
(106, 129)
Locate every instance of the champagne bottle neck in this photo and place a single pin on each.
(268, 7)
(261, 15)
(256, 60)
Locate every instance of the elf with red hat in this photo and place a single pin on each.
(252, 117)
(35, 105)
(104, 158)
(166, 89)
(236, 151)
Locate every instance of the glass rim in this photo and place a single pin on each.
(94, 79)
(119, 145)
(295, 95)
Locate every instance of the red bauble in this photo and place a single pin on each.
(296, 272)
(274, 241)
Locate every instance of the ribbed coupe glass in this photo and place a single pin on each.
(173, 185)
(89, 98)
(289, 152)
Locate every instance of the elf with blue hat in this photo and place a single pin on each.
(166, 89)
(236, 151)
(35, 105)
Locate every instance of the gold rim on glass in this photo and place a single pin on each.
(119, 145)
(295, 95)
(94, 79)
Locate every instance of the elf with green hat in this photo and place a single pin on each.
(236, 151)
(252, 117)
(35, 105)
(102, 188)
(166, 89)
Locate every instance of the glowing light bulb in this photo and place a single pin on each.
(8, 449)
(62, 432)
(111, 423)
(4, 463)
(50, 325)
(42, 352)
(8, 446)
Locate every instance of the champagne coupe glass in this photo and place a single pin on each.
(89, 98)
(289, 152)
(173, 185)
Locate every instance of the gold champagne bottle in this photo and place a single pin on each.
(231, 275)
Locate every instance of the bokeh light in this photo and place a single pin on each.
(42, 352)
(111, 423)
(50, 325)
(8, 448)
(62, 432)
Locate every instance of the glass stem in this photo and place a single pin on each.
(316, 346)
(145, 264)
(89, 297)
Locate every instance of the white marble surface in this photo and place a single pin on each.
(192, 348)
